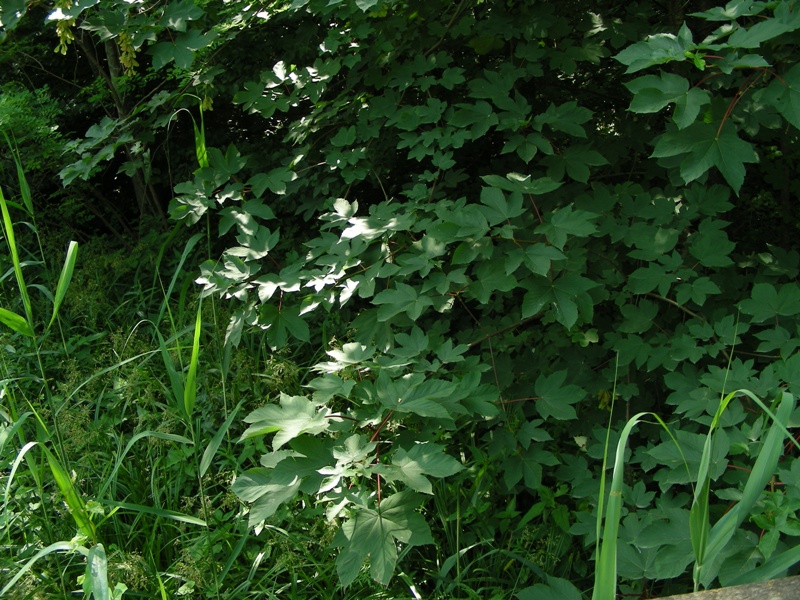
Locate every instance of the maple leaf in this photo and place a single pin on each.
(652, 94)
(374, 533)
(294, 416)
(703, 146)
(423, 459)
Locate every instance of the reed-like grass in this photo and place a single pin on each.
(707, 540)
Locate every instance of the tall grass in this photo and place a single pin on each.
(707, 540)
(116, 445)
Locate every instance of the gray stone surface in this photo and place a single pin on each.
(777, 589)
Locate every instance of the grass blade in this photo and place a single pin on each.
(760, 475)
(14, 467)
(699, 520)
(16, 322)
(605, 583)
(215, 442)
(156, 434)
(186, 251)
(7, 431)
(200, 140)
(97, 573)
(24, 188)
(56, 547)
(190, 388)
(71, 496)
(158, 512)
(64, 279)
(775, 566)
(8, 228)
(175, 379)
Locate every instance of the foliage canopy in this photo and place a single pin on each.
(481, 224)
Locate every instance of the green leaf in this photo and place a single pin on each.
(697, 291)
(216, 441)
(638, 317)
(282, 322)
(575, 160)
(72, 497)
(784, 94)
(412, 393)
(786, 19)
(489, 279)
(567, 117)
(365, 5)
(294, 416)
(267, 489)
(16, 322)
(8, 229)
(190, 387)
(710, 245)
(373, 534)
(402, 299)
(646, 279)
(423, 459)
(177, 14)
(767, 301)
(181, 49)
(556, 399)
(555, 589)
(11, 11)
(703, 147)
(329, 386)
(651, 94)
(64, 279)
(732, 11)
(526, 466)
(657, 50)
(498, 208)
(567, 222)
(526, 147)
(97, 573)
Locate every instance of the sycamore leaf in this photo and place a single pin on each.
(710, 245)
(576, 161)
(703, 147)
(294, 416)
(499, 208)
(328, 386)
(281, 323)
(266, 489)
(784, 94)
(556, 589)
(786, 19)
(181, 50)
(526, 465)
(423, 459)
(651, 94)
(657, 50)
(412, 393)
(373, 534)
(567, 117)
(768, 301)
(539, 257)
(732, 10)
(402, 298)
(177, 14)
(567, 222)
(488, 279)
(555, 399)
(516, 182)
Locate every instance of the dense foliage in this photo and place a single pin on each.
(459, 245)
